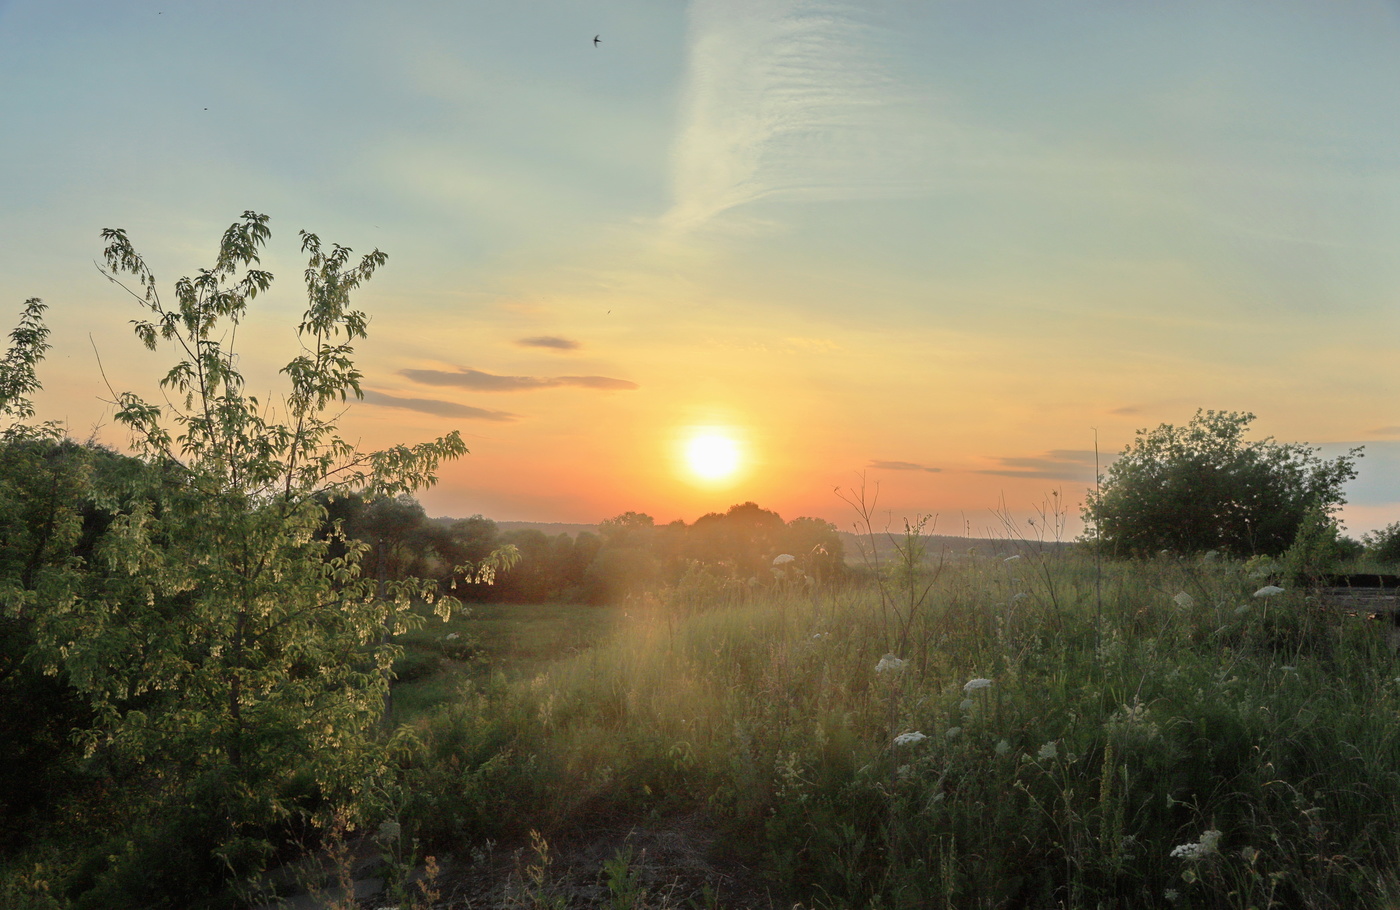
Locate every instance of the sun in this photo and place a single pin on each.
(712, 455)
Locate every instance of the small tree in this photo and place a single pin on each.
(1383, 546)
(227, 643)
(1205, 487)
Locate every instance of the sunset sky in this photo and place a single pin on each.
(937, 244)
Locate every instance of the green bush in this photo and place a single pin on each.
(1205, 487)
(1383, 546)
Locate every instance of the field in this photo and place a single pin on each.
(981, 732)
(1032, 732)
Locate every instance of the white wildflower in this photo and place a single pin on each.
(953, 732)
(1048, 751)
(452, 636)
(1019, 597)
(890, 664)
(1172, 894)
(388, 832)
(1268, 591)
(1003, 747)
(966, 704)
(1241, 609)
(909, 739)
(783, 559)
(1208, 844)
(1184, 600)
(972, 685)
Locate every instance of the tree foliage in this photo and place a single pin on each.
(209, 627)
(1204, 486)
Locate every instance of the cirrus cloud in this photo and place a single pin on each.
(479, 381)
(550, 342)
(1057, 464)
(901, 466)
(436, 407)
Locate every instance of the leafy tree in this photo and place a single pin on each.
(19, 376)
(45, 498)
(745, 538)
(226, 644)
(630, 529)
(1383, 546)
(817, 547)
(1205, 487)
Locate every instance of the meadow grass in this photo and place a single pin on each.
(1045, 733)
(516, 640)
(1134, 746)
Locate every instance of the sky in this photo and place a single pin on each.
(943, 249)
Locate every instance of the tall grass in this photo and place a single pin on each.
(1134, 747)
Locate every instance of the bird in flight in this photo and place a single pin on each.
(597, 39)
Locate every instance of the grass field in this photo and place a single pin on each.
(994, 732)
(1023, 733)
(510, 640)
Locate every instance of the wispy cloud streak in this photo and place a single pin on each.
(901, 466)
(550, 342)
(478, 381)
(787, 97)
(1057, 464)
(436, 407)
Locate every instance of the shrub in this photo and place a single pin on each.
(1383, 545)
(1205, 487)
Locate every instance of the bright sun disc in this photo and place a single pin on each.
(712, 456)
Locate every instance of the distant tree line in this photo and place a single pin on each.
(630, 553)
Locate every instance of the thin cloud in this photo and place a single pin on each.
(901, 466)
(790, 98)
(1127, 410)
(436, 407)
(1384, 431)
(478, 381)
(1057, 464)
(551, 342)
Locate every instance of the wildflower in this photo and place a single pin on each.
(953, 732)
(1048, 751)
(1184, 600)
(890, 664)
(1268, 591)
(1172, 894)
(388, 832)
(1017, 598)
(1003, 747)
(966, 704)
(1208, 844)
(1241, 609)
(909, 739)
(452, 636)
(783, 559)
(973, 685)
